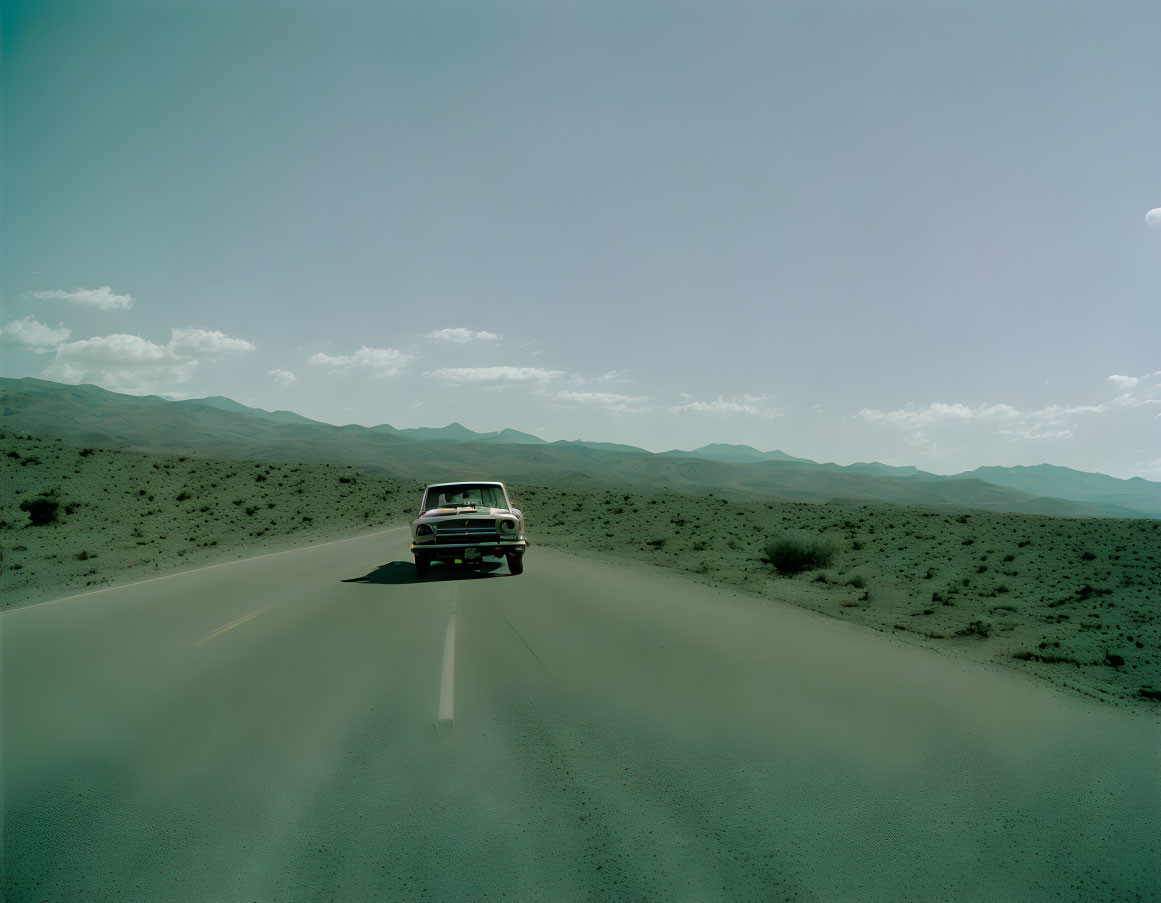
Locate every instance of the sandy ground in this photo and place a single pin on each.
(1076, 602)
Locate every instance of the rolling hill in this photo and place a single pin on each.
(218, 427)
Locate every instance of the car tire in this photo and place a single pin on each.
(515, 564)
(421, 566)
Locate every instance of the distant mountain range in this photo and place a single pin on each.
(221, 427)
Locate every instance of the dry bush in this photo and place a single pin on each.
(796, 551)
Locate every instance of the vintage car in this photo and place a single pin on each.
(463, 523)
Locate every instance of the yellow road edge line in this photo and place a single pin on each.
(218, 631)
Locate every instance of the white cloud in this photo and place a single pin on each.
(621, 376)
(721, 406)
(120, 362)
(609, 401)
(925, 445)
(102, 298)
(33, 335)
(913, 417)
(1049, 422)
(718, 406)
(1153, 466)
(283, 377)
(1153, 217)
(189, 342)
(461, 335)
(383, 362)
(130, 363)
(495, 376)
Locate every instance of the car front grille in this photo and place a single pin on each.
(484, 532)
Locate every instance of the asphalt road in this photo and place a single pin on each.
(271, 730)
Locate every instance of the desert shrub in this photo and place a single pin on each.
(183, 495)
(1087, 556)
(857, 581)
(1046, 659)
(976, 628)
(41, 510)
(796, 551)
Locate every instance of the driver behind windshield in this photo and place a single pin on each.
(480, 496)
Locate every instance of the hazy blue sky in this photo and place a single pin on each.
(912, 232)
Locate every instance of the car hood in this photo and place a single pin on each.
(463, 512)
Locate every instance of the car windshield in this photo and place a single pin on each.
(483, 496)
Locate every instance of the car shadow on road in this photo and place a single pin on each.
(403, 572)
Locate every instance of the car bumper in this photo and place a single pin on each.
(457, 550)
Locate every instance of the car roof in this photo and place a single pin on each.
(466, 483)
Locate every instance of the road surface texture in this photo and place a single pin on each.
(319, 725)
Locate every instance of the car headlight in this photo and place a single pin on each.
(507, 526)
(424, 531)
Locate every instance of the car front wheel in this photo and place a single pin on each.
(421, 566)
(515, 564)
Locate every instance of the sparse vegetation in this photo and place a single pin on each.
(796, 551)
(42, 510)
(982, 629)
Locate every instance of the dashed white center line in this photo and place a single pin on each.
(447, 682)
